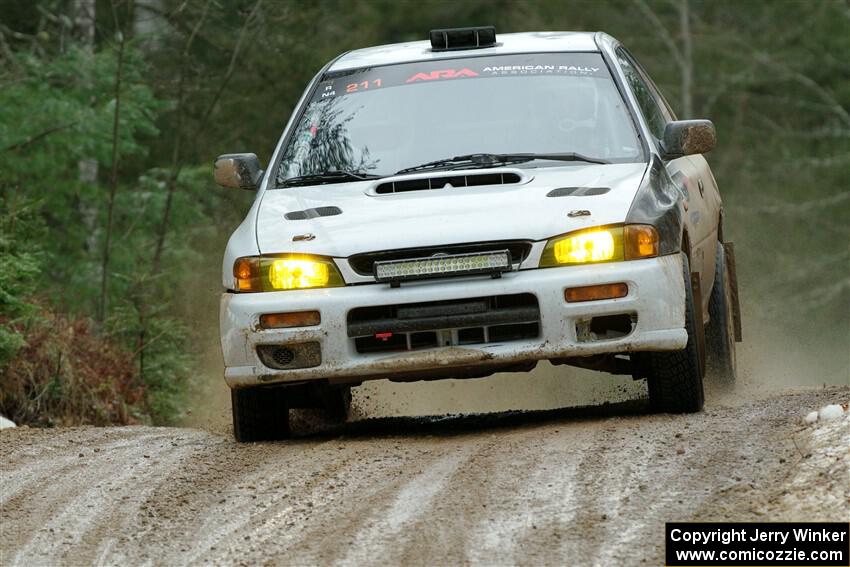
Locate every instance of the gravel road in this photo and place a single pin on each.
(590, 487)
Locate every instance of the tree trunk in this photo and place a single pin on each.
(113, 181)
(687, 60)
(84, 28)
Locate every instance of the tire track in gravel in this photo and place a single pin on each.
(222, 496)
(41, 490)
(135, 529)
(410, 502)
(75, 503)
(501, 517)
(41, 464)
(356, 496)
(272, 500)
(681, 466)
(545, 488)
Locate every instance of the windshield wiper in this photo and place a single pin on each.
(327, 177)
(496, 160)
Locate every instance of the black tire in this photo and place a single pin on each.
(260, 414)
(318, 407)
(336, 403)
(720, 333)
(674, 379)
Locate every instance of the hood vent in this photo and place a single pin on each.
(313, 213)
(447, 182)
(577, 191)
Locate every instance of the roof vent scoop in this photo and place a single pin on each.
(463, 38)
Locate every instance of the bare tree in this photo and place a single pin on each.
(84, 12)
(682, 55)
(176, 165)
(687, 63)
(113, 178)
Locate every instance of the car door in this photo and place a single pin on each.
(689, 173)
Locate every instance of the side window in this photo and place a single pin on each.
(662, 103)
(649, 107)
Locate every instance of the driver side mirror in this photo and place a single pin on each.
(239, 171)
(687, 137)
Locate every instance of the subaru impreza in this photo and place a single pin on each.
(473, 204)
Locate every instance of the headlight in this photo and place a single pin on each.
(289, 271)
(601, 244)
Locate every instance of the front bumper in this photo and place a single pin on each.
(656, 297)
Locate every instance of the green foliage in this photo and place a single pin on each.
(56, 118)
(55, 113)
(20, 263)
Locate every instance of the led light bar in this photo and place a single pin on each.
(395, 271)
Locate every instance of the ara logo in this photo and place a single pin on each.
(444, 74)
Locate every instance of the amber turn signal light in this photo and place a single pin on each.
(641, 241)
(284, 320)
(596, 292)
(247, 274)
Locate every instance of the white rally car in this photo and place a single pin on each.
(475, 204)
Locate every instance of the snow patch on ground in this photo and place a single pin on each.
(821, 483)
(826, 413)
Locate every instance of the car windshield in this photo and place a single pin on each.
(376, 121)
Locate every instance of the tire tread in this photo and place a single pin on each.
(260, 414)
(675, 379)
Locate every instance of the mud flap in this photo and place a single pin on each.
(729, 252)
(696, 290)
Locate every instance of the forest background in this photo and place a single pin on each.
(112, 112)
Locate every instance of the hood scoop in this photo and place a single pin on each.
(449, 180)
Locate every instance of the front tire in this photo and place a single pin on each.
(318, 407)
(260, 414)
(336, 403)
(720, 333)
(674, 379)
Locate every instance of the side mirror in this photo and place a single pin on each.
(239, 171)
(686, 137)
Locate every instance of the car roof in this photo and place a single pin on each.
(528, 42)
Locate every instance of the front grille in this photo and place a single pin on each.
(364, 264)
(416, 326)
(282, 356)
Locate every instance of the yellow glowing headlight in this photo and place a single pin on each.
(585, 246)
(285, 272)
(596, 246)
(601, 244)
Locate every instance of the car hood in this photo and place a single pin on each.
(367, 221)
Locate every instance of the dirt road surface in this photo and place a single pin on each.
(590, 487)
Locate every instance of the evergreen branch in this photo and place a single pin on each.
(35, 138)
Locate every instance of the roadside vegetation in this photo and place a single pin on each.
(111, 112)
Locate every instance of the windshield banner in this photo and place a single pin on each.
(424, 72)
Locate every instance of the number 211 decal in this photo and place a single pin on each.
(354, 87)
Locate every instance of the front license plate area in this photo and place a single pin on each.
(453, 308)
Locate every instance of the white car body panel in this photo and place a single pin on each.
(441, 216)
(508, 43)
